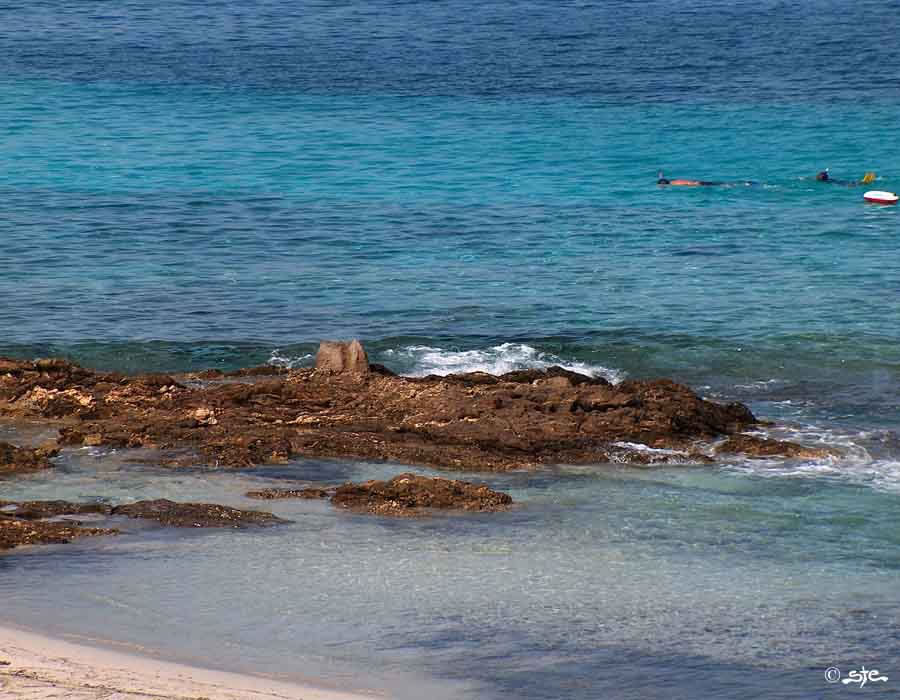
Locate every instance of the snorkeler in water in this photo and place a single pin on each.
(824, 176)
(684, 183)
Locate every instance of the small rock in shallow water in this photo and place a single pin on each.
(24, 523)
(38, 510)
(273, 494)
(404, 495)
(14, 532)
(195, 514)
(753, 446)
(411, 494)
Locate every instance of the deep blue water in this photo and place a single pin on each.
(472, 185)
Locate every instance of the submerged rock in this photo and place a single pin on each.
(25, 522)
(38, 510)
(274, 494)
(19, 460)
(195, 514)
(411, 494)
(15, 532)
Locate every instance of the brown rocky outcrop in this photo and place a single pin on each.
(411, 494)
(469, 421)
(19, 460)
(258, 371)
(753, 446)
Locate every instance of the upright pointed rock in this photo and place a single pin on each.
(340, 356)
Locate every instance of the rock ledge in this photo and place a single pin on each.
(469, 421)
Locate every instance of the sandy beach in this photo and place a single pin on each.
(35, 667)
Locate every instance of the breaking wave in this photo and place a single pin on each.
(865, 458)
(280, 360)
(422, 360)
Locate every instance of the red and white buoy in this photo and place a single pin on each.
(879, 197)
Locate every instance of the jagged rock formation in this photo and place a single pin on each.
(468, 421)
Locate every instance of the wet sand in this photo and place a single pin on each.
(35, 667)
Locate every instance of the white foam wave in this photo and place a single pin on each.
(852, 462)
(280, 360)
(761, 385)
(640, 447)
(881, 475)
(499, 359)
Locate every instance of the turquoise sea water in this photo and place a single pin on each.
(472, 186)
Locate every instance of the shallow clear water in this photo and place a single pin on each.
(471, 186)
(731, 585)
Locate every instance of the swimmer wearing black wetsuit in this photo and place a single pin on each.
(825, 177)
